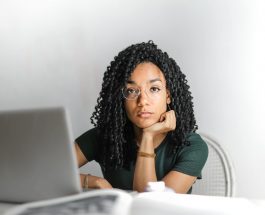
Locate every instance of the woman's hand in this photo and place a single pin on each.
(167, 122)
(151, 138)
(101, 183)
(94, 182)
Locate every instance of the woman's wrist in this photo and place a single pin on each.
(147, 143)
(146, 155)
(147, 135)
(90, 181)
(85, 182)
(84, 179)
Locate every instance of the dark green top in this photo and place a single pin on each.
(188, 159)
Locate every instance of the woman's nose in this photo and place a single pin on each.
(143, 98)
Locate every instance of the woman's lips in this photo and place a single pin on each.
(144, 114)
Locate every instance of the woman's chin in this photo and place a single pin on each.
(145, 124)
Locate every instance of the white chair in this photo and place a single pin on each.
(218, 178)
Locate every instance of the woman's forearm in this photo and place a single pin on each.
(145, 165)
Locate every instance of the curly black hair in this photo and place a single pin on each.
(110, 116)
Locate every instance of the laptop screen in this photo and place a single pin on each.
(37, 158)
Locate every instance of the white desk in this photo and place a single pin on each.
(260, 203)
(171, 204)
(236, 202)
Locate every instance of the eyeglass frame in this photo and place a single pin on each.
(138, 94)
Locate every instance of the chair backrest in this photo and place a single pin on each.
(218, 178)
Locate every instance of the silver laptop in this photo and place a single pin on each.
(37, 159)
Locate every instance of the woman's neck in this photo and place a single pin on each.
(139, 134)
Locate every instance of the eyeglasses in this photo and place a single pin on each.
(153, 91)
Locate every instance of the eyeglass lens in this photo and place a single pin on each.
(152, 90)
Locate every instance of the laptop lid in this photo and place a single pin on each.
(37, 158)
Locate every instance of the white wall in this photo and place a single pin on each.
(55, 53)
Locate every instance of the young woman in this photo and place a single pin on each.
(144, 125)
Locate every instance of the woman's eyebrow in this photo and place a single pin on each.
(150, 81)
(154, 80)
(131, 82)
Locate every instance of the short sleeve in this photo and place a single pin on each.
(192, 158)
(88, 144)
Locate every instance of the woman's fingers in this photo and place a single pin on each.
(162, 117)
(167, 122)
(170, 120)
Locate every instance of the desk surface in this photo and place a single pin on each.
(5, 206)
(260, 203)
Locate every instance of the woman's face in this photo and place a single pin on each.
(148, 82)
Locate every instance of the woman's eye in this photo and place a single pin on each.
(154, 89)
(131, 91)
